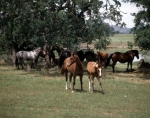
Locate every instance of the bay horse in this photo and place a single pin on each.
(74, 66)
(123, 58)
(94, 69)
(29, 55)
(67, 53)
(102, 57)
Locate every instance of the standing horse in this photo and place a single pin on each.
(67, 53)
(73, 65)
(90, 55)
(58, 49)
(94, 70)
(29, 55)
(102, 57)
(123, 58)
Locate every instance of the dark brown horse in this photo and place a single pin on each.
(123, 58)
(73, 65)
(94, 69)
(102, 57)
(58, 49)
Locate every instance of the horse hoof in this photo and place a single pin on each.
(102, 92)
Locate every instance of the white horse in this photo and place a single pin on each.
(29, 55)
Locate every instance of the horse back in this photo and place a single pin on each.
(90, 67)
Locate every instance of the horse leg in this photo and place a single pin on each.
(70, 79)
(81, 76)
(131, 66)
(74, 77)
(22, 64)
(92, 82)
(66, 74)
(100, 83)
(128, 67)
(113, 66)
(89, 83)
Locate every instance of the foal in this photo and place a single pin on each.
(73, 65)
(94, 70)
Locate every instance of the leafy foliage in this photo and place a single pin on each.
(142, 24)
(28, 23)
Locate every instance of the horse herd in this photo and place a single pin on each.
(70, 61)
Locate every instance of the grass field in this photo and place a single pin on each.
(42, 94)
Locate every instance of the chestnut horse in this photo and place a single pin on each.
(94, 69)
(102, 57)
(123, 58)
(73, 65)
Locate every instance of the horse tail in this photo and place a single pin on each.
(108, 60)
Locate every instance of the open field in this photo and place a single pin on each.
(42, 94)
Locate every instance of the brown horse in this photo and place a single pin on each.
(94, 70)
(73, 65)
(102, 57)
(123, 58)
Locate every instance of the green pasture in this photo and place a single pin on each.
(121, 39)
(42, 94)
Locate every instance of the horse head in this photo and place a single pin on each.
(136, 54)
(72, 59)
(41, 51)
(98, 68)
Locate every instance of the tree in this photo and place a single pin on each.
(25, 24)
(141, 28)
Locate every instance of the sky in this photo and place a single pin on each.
(128, 8)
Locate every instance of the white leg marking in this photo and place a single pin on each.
(89, 85)
(66, 86)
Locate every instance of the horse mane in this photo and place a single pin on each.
(79, 61)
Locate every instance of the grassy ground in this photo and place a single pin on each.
(42, 94)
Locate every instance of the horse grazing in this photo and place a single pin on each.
(29, 55)
(102, 57)
(94, 70)
(123, 58)
(73, 65)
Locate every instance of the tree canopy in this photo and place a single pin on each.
(27, 23)
(141, 29)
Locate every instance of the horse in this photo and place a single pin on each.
(122, 58)
(73, 65)
(58, 49)
(67, 53)
(102, 57)
(94, 70)
(29, 55)
(90, 55)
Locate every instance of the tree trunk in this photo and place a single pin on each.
(13, 57)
